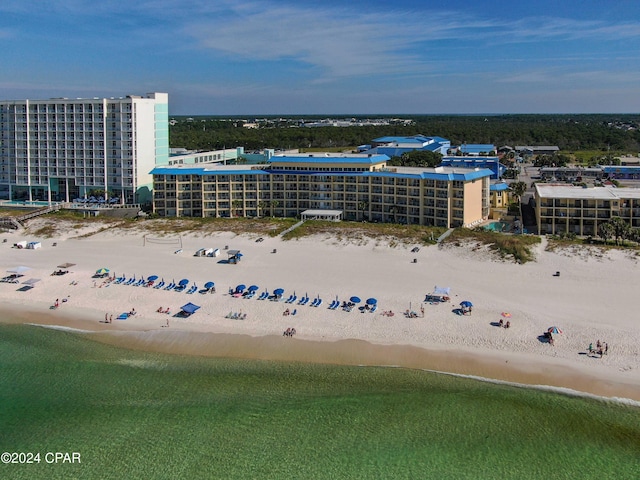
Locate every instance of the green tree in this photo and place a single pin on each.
(518, 189)
(605, 231)
(237, 205)
(362, 206)
(417, 158)
(621, 229)
(274, 204)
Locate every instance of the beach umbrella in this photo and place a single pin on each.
(555, 330)
(355, 299)
(278, 291)
(102, 271)
(253, 288)
(189, 308)
(152, 278)
(371, 301)
(209, 285)
(240, 287)
(466, 303)
(184, 281)
(506, 314)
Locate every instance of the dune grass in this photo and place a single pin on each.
(516, 247)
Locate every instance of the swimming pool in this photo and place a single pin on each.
(26, 203)
(497, 227)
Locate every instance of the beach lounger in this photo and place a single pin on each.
(123, 316)
(293, 299)
(318, 302)
(314, 303)
(130, 281)
(374, 308)
(170, 286)
(305, 301)
(159, 286)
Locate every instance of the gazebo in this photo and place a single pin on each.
(234, 256)
(330, 215)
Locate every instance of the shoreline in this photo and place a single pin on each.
(494, 368)
(593, 300)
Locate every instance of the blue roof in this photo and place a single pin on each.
(477, 147)
(404, 172)
(498, 187)
(620, 169)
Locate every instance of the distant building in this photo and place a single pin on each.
(358, 186)
(571, 174)
(396, 146)
(622, 172)
(537, 150)
(61, 149)
(477, 149)
(570, 209)
(500, 195)
(181, 156)
(491, 163)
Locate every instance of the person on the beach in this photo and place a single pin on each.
(110, 318)
(590, 348)
(606, 348)
(508, 324)
(106, 317)
(167, 322)
(501, 323)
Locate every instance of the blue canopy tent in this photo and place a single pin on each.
(189, 308)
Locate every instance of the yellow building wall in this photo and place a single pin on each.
(472, 201)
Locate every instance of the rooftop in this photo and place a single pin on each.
(598, 193)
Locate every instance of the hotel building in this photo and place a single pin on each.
(62, 149)
(569, 209)
(358, 187)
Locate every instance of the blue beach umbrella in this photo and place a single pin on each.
(371, 301)
(278, 291)
(240, 288)
(152, 278)
(355, 299)
(209, 285)
(466, 303)
(183, 282)
(253, 288)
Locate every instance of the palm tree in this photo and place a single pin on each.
(518, 189)
(621, 229)
(362, 206)
(274, 204)
(237, 204)
(262, 206)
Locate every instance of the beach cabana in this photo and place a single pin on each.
(19, 270)
(189, 309)
(234, 256)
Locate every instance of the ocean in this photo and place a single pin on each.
(131, 414)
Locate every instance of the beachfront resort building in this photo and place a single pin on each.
(62, 149)
(573, 209)
(357, 186)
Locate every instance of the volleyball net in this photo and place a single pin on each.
(175, 241)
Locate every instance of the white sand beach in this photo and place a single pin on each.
(592, 299)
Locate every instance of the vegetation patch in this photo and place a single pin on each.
(517, 247)
(391, 233)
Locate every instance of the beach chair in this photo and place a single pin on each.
(314, 303)
(294, 311)
(318, 302)
(130, 281)
(159, 285)
(170, 286)
(305, 300)
(374, 308)
(293, 299)
(331, 305)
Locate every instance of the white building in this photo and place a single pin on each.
(62, 149)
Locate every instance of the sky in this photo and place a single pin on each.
(360, 57)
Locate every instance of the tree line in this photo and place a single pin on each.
(568, 132)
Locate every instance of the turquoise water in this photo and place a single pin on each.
(497, 227)
(142, 415)
(14, 203)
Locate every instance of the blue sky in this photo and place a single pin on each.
(242, 57)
